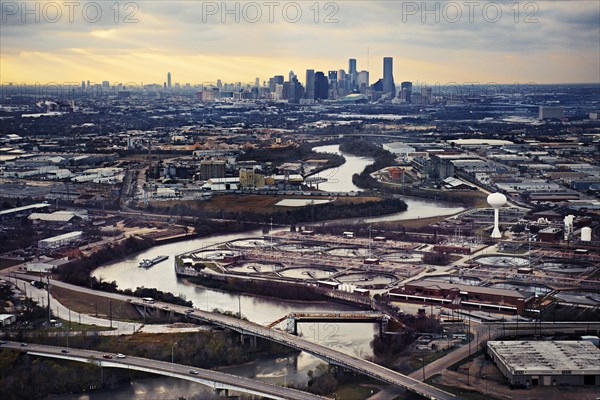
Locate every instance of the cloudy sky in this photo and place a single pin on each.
(201, 41)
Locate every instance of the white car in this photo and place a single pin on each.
(121, 355)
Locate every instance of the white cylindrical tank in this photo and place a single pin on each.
(586, 234)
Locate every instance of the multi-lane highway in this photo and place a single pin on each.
(327, 354)
(214, 379)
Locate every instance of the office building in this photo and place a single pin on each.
(296, 91)
(363, 81)
(352, 75)
(274, 81)
(551, 112)
(426, 95)
(389, 86)
(406, 92)
(321, 86)
(169, 80)
(310, 84)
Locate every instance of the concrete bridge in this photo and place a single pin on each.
(353, 316)
(247, 328)
(222, 383)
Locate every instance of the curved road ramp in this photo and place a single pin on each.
(219, 381)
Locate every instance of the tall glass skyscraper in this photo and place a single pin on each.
(310, 84)
(388, 76)
(352, 75)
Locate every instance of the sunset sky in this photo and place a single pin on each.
(546, 42)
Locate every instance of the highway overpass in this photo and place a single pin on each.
(325, 353)
(219, 381)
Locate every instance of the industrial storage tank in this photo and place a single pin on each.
(586, 234)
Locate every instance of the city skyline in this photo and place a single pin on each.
(554, 42)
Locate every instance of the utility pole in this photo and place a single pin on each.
(48, 290)
(110, 311)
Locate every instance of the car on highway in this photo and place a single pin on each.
(107, 356)
(121, 355)
(193, 372)
(23, 344)
(2, 341)
(64, 351)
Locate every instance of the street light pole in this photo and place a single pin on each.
(173, 356)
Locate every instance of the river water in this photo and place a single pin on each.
(353, 339)
(340, 180)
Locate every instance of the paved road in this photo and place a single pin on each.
(40, 296)
(214, 379)
(325, 353)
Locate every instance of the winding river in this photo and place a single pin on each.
(351, 338)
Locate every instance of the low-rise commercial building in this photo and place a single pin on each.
(467, 296)
(552, 363)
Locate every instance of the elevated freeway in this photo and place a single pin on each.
(325, 353)
(219, 381)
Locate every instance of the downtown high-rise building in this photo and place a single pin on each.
(321, 86)
(310, 84)
(352, 75)
(169, 80)
(342, 78)
(363, 81)
(388, 76)
(405, 92)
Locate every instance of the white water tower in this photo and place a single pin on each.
(496, 200)
(586, 234)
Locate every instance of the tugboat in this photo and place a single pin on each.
(147, 263)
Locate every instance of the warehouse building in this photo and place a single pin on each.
(18, 212)
(541, 363)
(60, 240)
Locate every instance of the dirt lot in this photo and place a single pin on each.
(86, 304)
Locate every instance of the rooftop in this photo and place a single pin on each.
(577, 357)
(430, 284)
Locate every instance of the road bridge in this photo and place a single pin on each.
(352, 316)
(219, 381)
(329, 355)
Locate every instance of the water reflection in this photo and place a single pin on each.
(340, 180)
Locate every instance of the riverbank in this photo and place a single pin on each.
(258, 209)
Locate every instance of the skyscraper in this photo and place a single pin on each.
(352, 75)
(406, 92)
(169, 80)
(342, 82)
(351, 65)
(321, 86)
(363, 81)
(310, 84)
(296, 90)
(388, 76)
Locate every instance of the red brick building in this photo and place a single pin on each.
(467, 296)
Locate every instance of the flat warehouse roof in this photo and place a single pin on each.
(548, 357)
(429, 284)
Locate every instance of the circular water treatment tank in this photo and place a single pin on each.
(502, 261)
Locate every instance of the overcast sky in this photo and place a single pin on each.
(455, 41)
